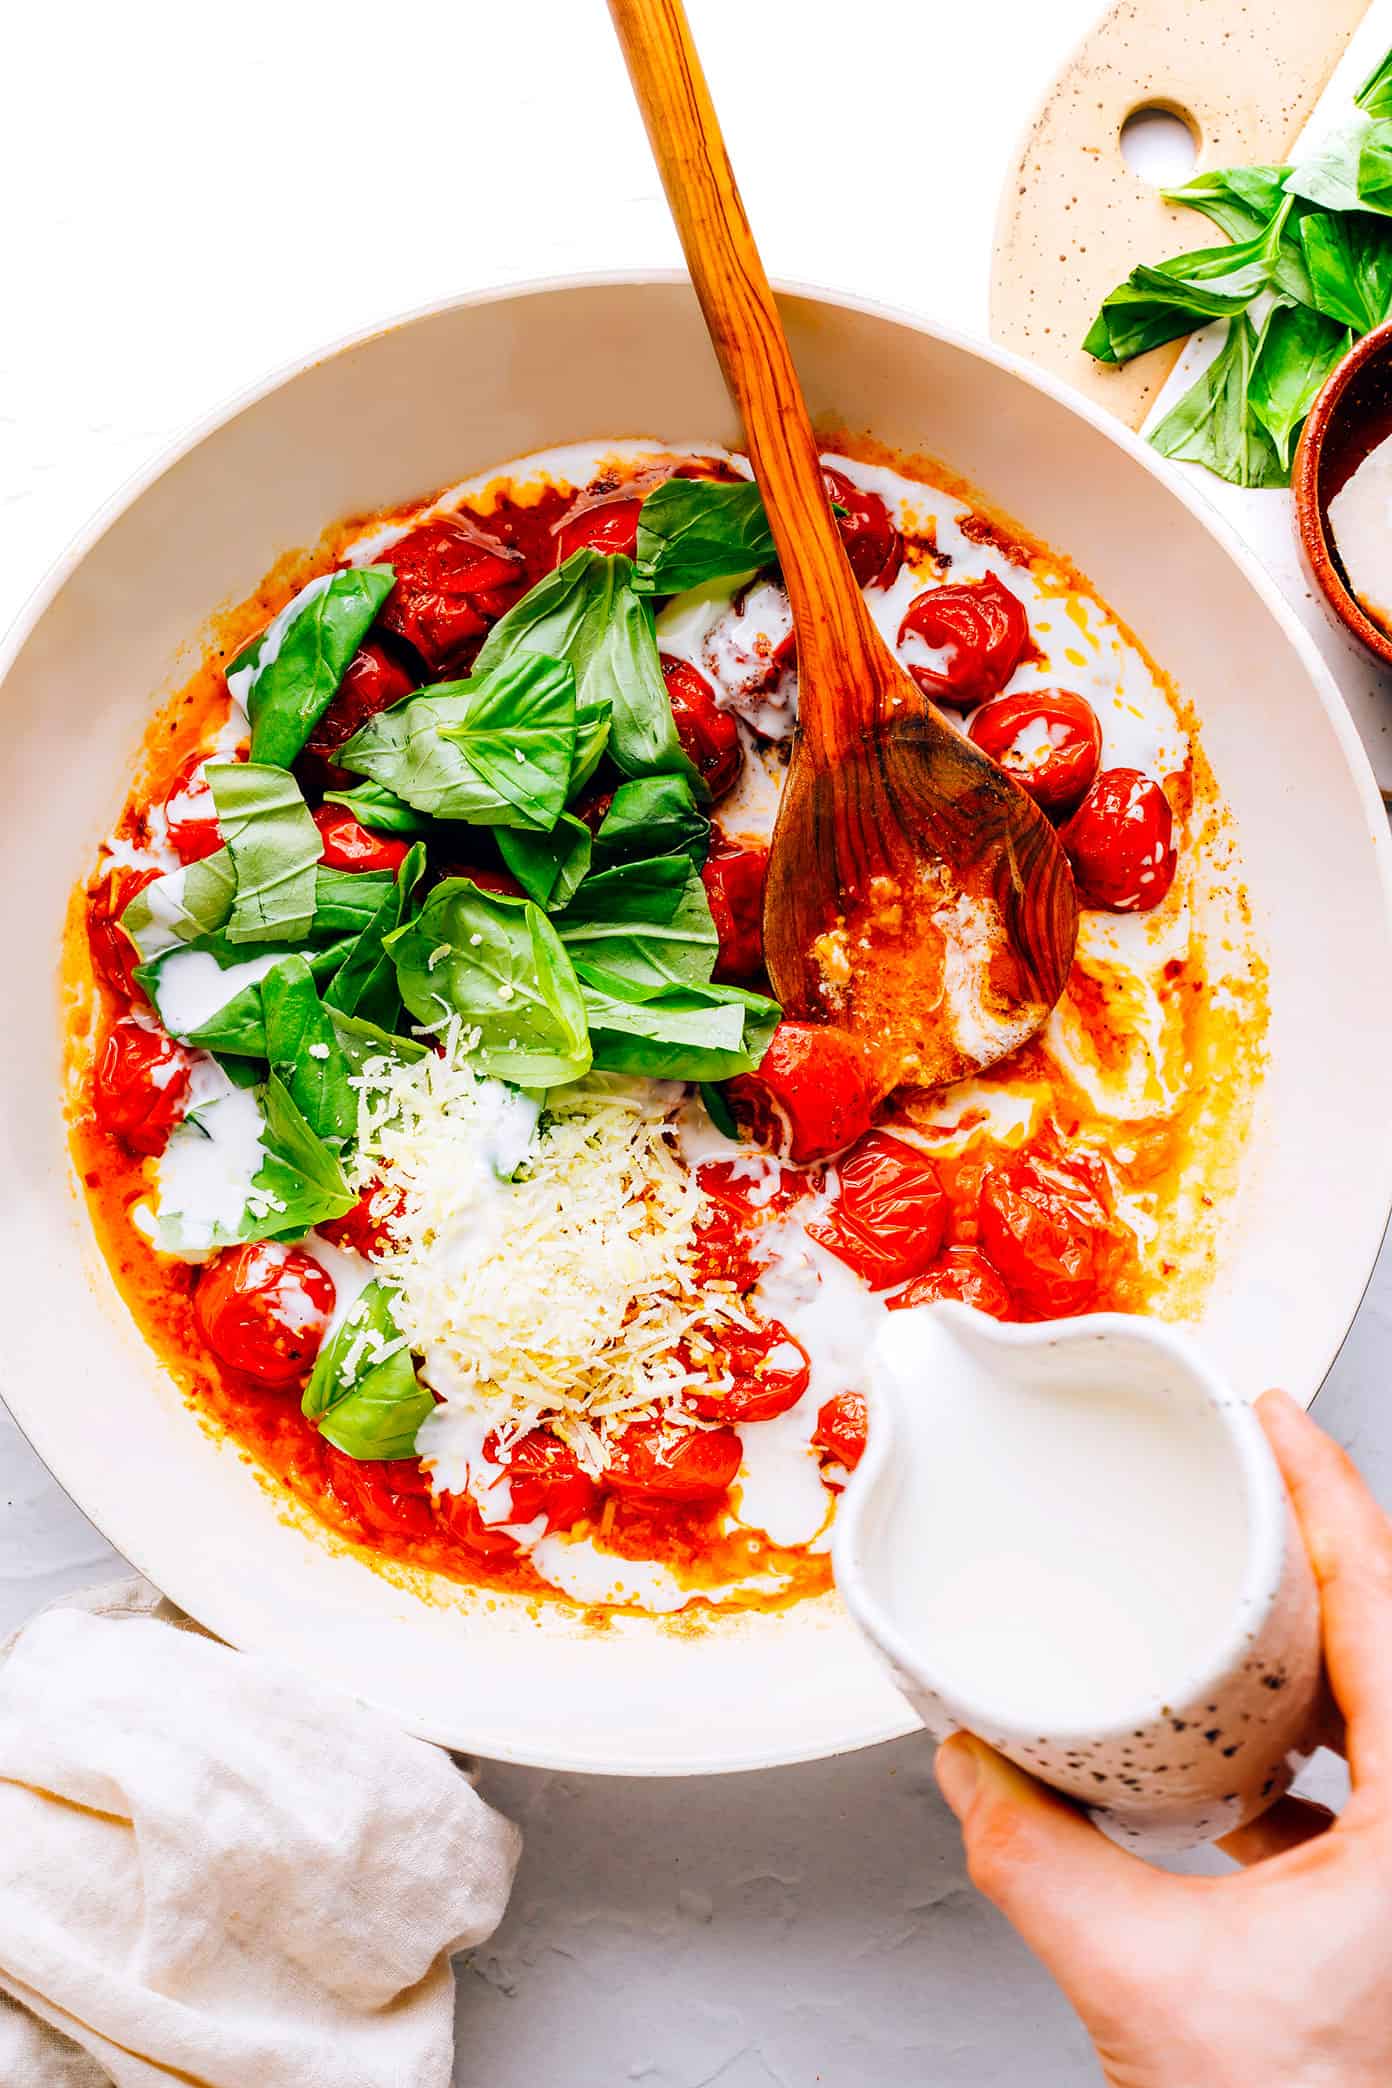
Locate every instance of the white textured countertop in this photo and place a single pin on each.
(170, 171)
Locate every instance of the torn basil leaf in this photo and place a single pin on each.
(363, 1042)
(347, 901)
(286, 679)
(364, 982)
(652, 816)
(693, 531)
(1241, 201)
(364, 1391)
(189, 902)
(1159, 304)
(641, 928)
(301, 1180)
(702, 1033)
(275, 848)
(1211, 424)
(500, 967)
(1349, 259)
(209, 993)
(495, 750)
(592, 723)
(380, 809)
(1297, 350)
(549, 867)
(303, 1050)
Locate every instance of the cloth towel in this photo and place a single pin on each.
(217, 1874)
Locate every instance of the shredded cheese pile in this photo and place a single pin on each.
(544, 1261)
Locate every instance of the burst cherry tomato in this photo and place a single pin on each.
(979, 626)
(740, 1201)
(815, 1084)
(375, 680)
(349, 845)
(873, 544)
(487, 879)
(1046, 1226)
(709, 735)
(842, 1428)
(467, 1527)
(191, 815)
(1049, 741)
(140, 1085)
(452, 582)
(964, 1274)
(768, 1369)
(652, 1463)
(392, 1498)
(365, 1227)
(610, 526)
(263, 1310)
(889, 1216)
(546, 1480)
(734, 882)
(1120, 842)
(114, 955)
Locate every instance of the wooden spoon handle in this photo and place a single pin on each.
(748, 337)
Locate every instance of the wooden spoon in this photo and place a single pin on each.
(916, 894)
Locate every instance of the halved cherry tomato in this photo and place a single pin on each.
(114, 955)
(709, 735)
(1046, 1225)
(982, 629)
(191, 815)
(365, 1227)
(652, 1462)
(140, 1084)
(964, 1274)
(769, 1372)
(349, 845)
(390, 1497)
(375, 680)
(873, 544)
(843, 1426)
(546, 1479)
(1049, 740)
(734, 882)
(610, 526)
(1120, 842)
(815, 1082)
(467, 1527)
(452, 582)
(263, 1309)
(890, 1213)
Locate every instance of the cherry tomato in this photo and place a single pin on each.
(375, 680)
(263, 1309)
(980, 626)
(1046, 1227)
(963, 1273)
(734, 882)
(1120, 842)
(140, 1085)
(740, 1201)
(610, 526)
(546, 1480)
(191, 815)
(873, 544)
(365, 1228)
(392, 1498)
(890, 1214)
(769, 1372)
(349, 845)
(467, 1527)
(114, 955)
(1049, 741)
(452, 582)
(709, 735)
(653, 1462)
(815, 1084)
(842, 1428)
(487, 879)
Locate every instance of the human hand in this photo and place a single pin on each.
(1277, 1977)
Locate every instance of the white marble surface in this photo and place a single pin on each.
(197, 195)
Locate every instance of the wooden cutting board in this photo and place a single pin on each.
(1074, 219)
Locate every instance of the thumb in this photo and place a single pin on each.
(1075, 1898)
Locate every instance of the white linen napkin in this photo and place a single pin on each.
(213, 1872)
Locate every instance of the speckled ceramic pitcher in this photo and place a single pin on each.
(1233, 1724)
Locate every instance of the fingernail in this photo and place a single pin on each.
(956, 1771)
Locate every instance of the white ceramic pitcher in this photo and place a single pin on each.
(1224, 1733)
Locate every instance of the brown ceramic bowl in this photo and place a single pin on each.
(1350, 417)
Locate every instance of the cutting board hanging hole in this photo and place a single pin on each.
(1161, 142)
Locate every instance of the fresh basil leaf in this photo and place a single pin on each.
(190, 902)
(365, 1407)
(1375, 95)
(365, 982)
(380, 809)
(1158, 304)
(1211, 424)
(274, 845)
(303, 1049)
(287, 678)
(702, 1033)
(499, 965)
(587, 612)
(642, 927)
(363, 1042)
(1297, 351)
(495, 750)
(242, 1072)
(1330, 176)
(719, 1110)
(652, 816)
(692, 531)
(1241, 201)
(347, 901)
(209, 993)
(549, 867)
(1375, 167)
(592, 725)
(1350, 264)
(301, 1181)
